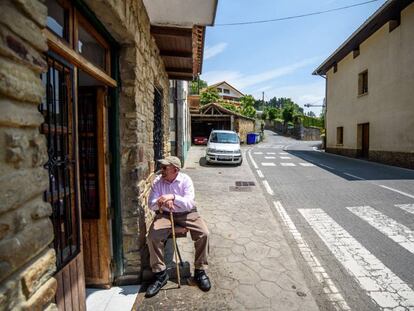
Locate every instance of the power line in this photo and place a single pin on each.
(295, 16)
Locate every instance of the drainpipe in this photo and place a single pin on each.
(326, 107)
(176, 116)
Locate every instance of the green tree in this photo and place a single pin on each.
(287, 113)
(247, 106)
(229, 106)
(265, 114)
(249, 111)
(274, 113)
(210, 95)
(196, 86)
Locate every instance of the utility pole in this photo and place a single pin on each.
(263, 99)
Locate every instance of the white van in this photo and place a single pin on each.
(223, 147)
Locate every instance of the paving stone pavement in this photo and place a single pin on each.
(251, 265)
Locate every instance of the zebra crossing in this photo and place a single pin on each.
(280, 156)
(407, 207)
(382, 285)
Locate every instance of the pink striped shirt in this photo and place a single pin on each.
(183, 189)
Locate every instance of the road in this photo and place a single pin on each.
(351, 221)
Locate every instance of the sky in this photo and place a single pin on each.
(278, 58)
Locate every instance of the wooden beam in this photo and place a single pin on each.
(179, 70)
(171, 31)
(209, 117)
(172, 53)
(78, 60)
(180, 77)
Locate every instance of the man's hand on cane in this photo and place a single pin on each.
(166, 200)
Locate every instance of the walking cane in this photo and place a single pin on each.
(175, 249)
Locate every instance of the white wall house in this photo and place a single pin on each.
(370, 89)
(226, 91)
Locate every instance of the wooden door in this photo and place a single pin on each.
(93, 183)
(365, 140)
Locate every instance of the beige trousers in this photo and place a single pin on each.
(161, 229)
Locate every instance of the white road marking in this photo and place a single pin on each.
(259, 172)
(307, 164)
(258, 152)
(318, 270)
(406, 207)
(270, 152)
(384, 287)
(268, 164)
(323, 165)
(285, 158)
(253, 162)
(283, 153)
(353, 176)
(392, 229)
(398, 191)
(267, 186)
(270, 157)
(287, 164)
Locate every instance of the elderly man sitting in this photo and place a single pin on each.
(174, 191)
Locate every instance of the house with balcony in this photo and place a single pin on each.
(227, 91)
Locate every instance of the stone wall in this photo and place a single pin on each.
(402, 159)
(26, 262)
(243, 127)
(141, 70)
(311, 133)
(343, 151)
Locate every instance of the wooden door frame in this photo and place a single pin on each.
(360, 140)
(98, 244)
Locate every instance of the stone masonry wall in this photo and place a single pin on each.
(141, 70)
(244, 127)
(26, 262)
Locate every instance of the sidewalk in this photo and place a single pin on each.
(251, 266)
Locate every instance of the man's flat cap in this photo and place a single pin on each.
(171, 160)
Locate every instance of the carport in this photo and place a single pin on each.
(215, 117)
(210, 117)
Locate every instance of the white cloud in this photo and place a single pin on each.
(214, 50)
(272, 74)
(213, 77)
(301, 94)
(240, 81)
(250, 84)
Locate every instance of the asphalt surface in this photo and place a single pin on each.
(355, 216)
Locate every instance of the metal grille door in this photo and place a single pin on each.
(57, 109)
(158, 126)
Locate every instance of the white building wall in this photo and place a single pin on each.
(231, 93)
(389, 105)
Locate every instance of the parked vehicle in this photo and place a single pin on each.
(200, 140)
(224, 147)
